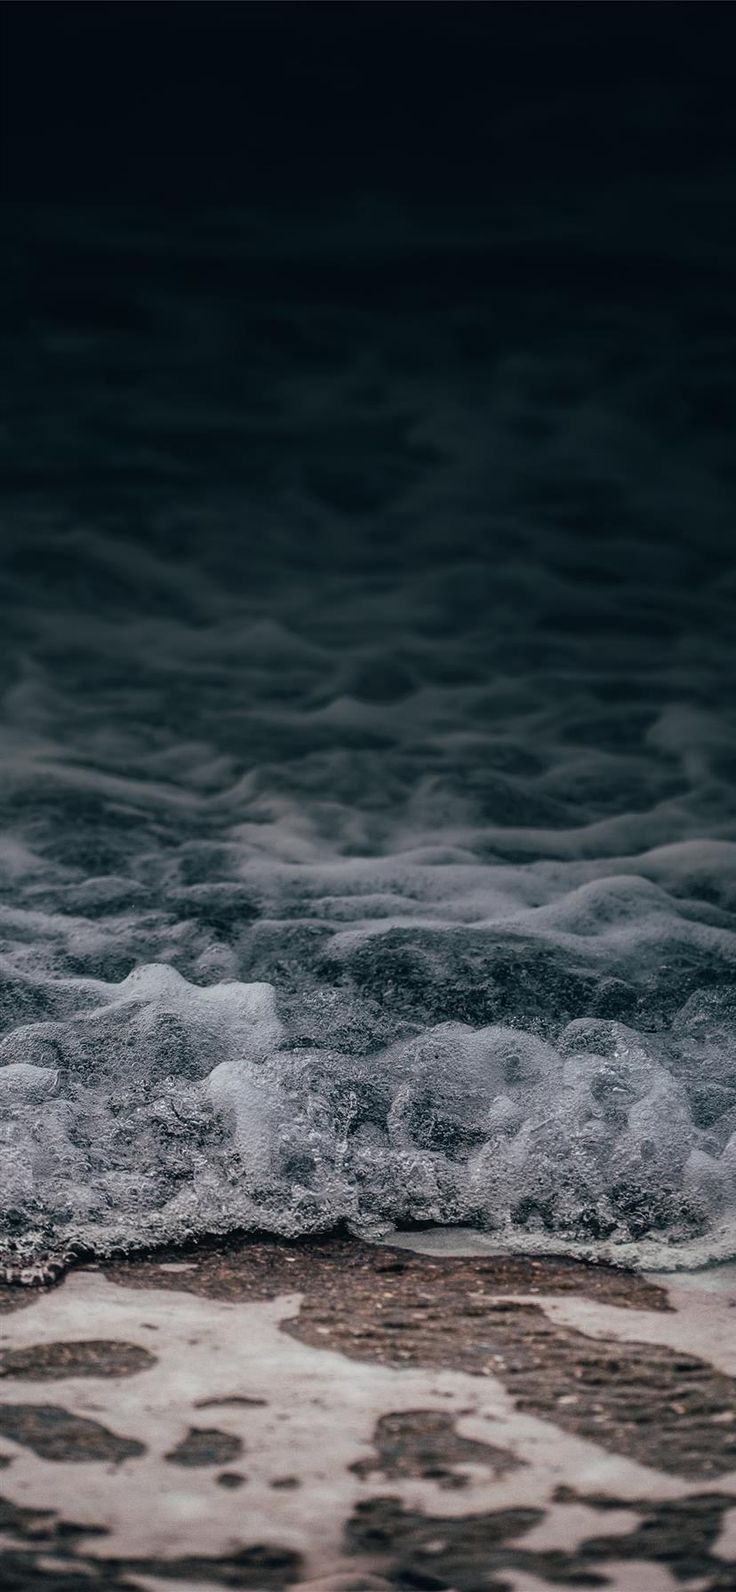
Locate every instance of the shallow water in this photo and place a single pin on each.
(368, 841)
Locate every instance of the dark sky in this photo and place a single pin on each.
(201, 99)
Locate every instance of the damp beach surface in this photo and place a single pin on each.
(328, 1414)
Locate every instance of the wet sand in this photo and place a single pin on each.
(330, 1414)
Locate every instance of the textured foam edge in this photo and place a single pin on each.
(649, 1256)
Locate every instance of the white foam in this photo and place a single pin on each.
(173, 1109)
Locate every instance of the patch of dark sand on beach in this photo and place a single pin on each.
(238, 1399)
(678, 1532)
(253, 1268)
(43, 1553)
(205, 1445)
(472, 1552)
(13, 1297)
(658, 1406)
(427, 1445)
(436, 1551)
(54, 1433)
(42, 1362)
(263, 1568)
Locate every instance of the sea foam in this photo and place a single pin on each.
(167, 1110)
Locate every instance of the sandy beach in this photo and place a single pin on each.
(334, 1415)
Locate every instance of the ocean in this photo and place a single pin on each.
(368, 838)
(368, 602)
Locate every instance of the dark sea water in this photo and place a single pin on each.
(367, 823)
(368, 836)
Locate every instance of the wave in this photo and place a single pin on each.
(367, 841)
(164, 1110)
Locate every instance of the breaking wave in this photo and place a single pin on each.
(368, 848)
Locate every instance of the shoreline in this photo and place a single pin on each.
(680, 1259)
